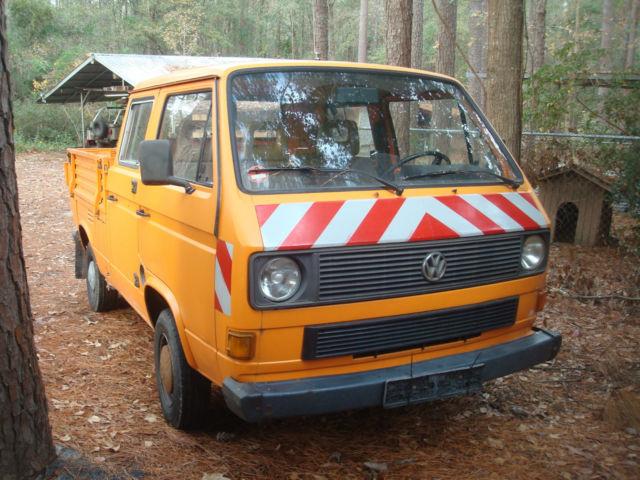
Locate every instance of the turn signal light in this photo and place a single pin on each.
(240, 345)
(542, 300)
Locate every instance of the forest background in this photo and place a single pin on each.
(580, 60)
(585, 83)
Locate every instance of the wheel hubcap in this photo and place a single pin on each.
(166, 368)
(91, 275)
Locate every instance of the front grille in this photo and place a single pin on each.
(384, 335)
(382, 271)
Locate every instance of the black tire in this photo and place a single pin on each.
(184, 393)
(102, 297)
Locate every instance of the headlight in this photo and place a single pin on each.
(279, 279)
(533, 252)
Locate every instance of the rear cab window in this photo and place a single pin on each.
(134, 132)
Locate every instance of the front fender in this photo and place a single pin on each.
(154, 284)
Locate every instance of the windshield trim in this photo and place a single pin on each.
(519, 177)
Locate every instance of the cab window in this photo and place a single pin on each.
(134, 132)
(186, 123)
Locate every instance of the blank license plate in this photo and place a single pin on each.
(406, 391)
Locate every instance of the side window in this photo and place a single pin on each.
(186, 122)
(134, 132)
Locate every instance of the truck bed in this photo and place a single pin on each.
(85, 176)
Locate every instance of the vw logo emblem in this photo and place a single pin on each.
(434, 266)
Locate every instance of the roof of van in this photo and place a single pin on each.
(108, 76)
(222, 66)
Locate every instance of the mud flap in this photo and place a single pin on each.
(81, 257)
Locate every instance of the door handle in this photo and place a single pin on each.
(112, 198)
(141, 213)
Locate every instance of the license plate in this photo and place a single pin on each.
(426, 388)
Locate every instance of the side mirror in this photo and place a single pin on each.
(156, 165)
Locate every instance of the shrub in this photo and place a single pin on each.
(46, 127)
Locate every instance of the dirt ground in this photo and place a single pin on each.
(577, 417)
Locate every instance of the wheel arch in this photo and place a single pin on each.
(157, 297)
(83, 236)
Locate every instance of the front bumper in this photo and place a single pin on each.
(389, 387)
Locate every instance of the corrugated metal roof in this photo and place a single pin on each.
(103, 76)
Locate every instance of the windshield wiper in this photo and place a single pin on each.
(339, 171)
(509, 181)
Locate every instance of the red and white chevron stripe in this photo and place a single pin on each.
(224, 261)
(359, 222)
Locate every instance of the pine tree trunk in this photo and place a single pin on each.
(398, 40)
(605, 38)
(632, 32)
(605, 42)
(504, 85)
(446, 59)
(571, 117)
(416, 33)
(536, 20)
(321, 29)
(362, 33)
(536, 28)
(293, 35)
(26, 446)
(416, 50)
(485, 46)
(478, 37)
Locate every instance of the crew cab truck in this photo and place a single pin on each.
(313, 237)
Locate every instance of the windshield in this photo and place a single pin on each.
(335, 130)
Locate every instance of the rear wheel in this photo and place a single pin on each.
(184, 393)
(102, 297)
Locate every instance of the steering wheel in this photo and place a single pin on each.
(439, 157)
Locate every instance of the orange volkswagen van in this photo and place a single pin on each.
(313, 237)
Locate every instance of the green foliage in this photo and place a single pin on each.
(48, 127)
(555, 101)
(621, 109)
(183, 23)
(550, 95)
(34, 20)
(48, 39)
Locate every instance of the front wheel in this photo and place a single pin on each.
(102, 297)
(184, 393)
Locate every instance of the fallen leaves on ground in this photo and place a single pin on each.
(572, 418)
